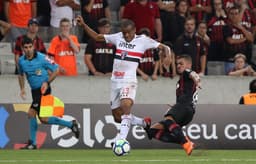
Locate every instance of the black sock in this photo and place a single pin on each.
(162, 135)
(175, 130)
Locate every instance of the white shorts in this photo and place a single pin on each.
(122, 90)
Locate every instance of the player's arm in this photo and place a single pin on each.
(51, 66)
(21, 79)
(94, 35)
(195, 77)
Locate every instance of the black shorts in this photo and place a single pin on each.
(181, 113)
(36, 96)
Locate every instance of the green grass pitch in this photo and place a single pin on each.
(138, 156)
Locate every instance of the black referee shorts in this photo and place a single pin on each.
(36, 96)
(181, 113)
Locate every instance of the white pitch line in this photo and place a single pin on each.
(127, 161)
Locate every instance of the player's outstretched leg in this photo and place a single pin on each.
(176, 130)
(73, 125)
(188, 146)
(144, 122)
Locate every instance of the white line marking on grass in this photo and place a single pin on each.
(127, 160)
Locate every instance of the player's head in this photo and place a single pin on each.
(183, 62)
(27, 46)
(128, 29)
(252, 86)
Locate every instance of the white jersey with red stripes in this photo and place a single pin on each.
(128, 55)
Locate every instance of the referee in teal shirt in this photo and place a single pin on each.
(36, 66)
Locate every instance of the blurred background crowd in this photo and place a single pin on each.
(213, 32)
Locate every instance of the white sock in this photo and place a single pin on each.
(125, 126)
(137, 121)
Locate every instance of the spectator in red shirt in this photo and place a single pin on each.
(145, 14)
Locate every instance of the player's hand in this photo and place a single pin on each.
(44, 87)
(79, 20)
(23, 94)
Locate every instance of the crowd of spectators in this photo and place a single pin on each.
(207, 30)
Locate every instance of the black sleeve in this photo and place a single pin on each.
(241, 101)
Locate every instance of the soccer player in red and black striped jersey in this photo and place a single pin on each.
(170, 129)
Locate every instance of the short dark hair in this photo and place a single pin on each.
(127, 22)
(252, 86)
(186, 57)
(26, 40)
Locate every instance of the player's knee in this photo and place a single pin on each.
(126, 105)
(117, 113)
(117, 118)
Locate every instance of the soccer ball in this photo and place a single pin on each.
(121, 147)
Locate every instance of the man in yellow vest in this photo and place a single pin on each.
(249, 98)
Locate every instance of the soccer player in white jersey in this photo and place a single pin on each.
(129, 50)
